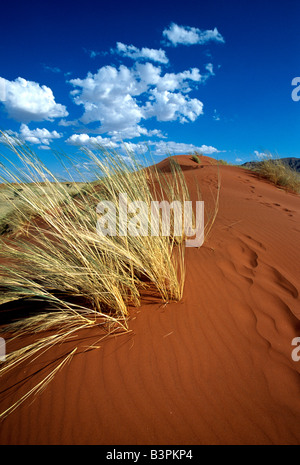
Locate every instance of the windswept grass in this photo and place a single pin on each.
(196, 157)
(11, 203)
(223, 162)
(280, 174)
(82, 278)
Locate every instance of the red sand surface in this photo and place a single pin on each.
(215, 368)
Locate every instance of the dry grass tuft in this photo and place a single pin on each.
(279, 173)
(80, 278)
(196, 157)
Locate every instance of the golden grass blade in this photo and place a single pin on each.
(39, 387)
(61, 260)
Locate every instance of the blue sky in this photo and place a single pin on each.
(213, 76)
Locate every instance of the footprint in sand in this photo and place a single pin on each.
(266, 204)
(243, 260)
(290, 212)
(287, 210)
(251, 242)
(273, 273)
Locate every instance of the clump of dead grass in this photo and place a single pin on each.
(279, 173)
(82, 278)
(196, 157)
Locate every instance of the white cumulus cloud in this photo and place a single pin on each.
(170, 106)
(135, 53)
(85, 139)
(172, 81)
(148, 73)
(28, 101)
(157, 148)
(38, 136)
(108, 97)
(119, 99)
(175, 148)
(135, 131)
(187, 35)
(9, 138)
(262, 155)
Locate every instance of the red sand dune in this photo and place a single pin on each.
(215, 368)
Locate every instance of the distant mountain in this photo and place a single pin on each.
(292, 162)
